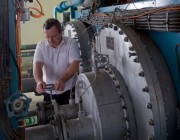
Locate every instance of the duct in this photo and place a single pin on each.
(65, 5)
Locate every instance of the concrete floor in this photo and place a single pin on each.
(35, 100)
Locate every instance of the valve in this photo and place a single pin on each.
(17, 105)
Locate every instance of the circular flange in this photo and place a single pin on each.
(128, 55)
(108, 104)
(138, 61)
(78, 31)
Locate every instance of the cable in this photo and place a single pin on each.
(154, 11)
(18, 50)
(85, 30)
(73, 83)
(88, 86)
(41, 13)
(158, 19)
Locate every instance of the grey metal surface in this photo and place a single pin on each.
(81, 129)
(69, 111)
(131, 59)
(126, 101)
(101, 100)
(45, 111)
(166, 94)
(42, 132)
(28, 85)
(78, 31)
(119, 58)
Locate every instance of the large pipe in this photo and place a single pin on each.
(65, 5)
(42, 132)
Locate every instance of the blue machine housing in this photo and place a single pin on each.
(12, 43)
(167, 43)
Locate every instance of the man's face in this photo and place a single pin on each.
(53, 36)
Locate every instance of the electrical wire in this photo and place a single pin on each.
(88, 86)
(85, 30)
(73, 83)
(18, 50)
(158, 19)
(40, 12)
(162, 9)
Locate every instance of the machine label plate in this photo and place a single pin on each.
(110, 42)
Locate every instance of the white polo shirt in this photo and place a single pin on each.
(56, 60)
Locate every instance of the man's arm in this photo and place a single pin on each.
(38, 74)
(72, 69)
(37, 71)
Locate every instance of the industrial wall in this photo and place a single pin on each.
(31, 31)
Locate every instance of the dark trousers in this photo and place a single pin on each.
(61, 99)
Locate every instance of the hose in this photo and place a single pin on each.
(40, 12)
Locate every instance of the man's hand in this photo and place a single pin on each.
(40, 87)
(59, 85)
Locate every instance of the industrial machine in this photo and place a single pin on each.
(128, 87)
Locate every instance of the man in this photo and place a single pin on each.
(56, 61)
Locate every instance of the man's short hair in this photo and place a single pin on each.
(50, 22)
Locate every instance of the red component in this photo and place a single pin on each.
(21, 122)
